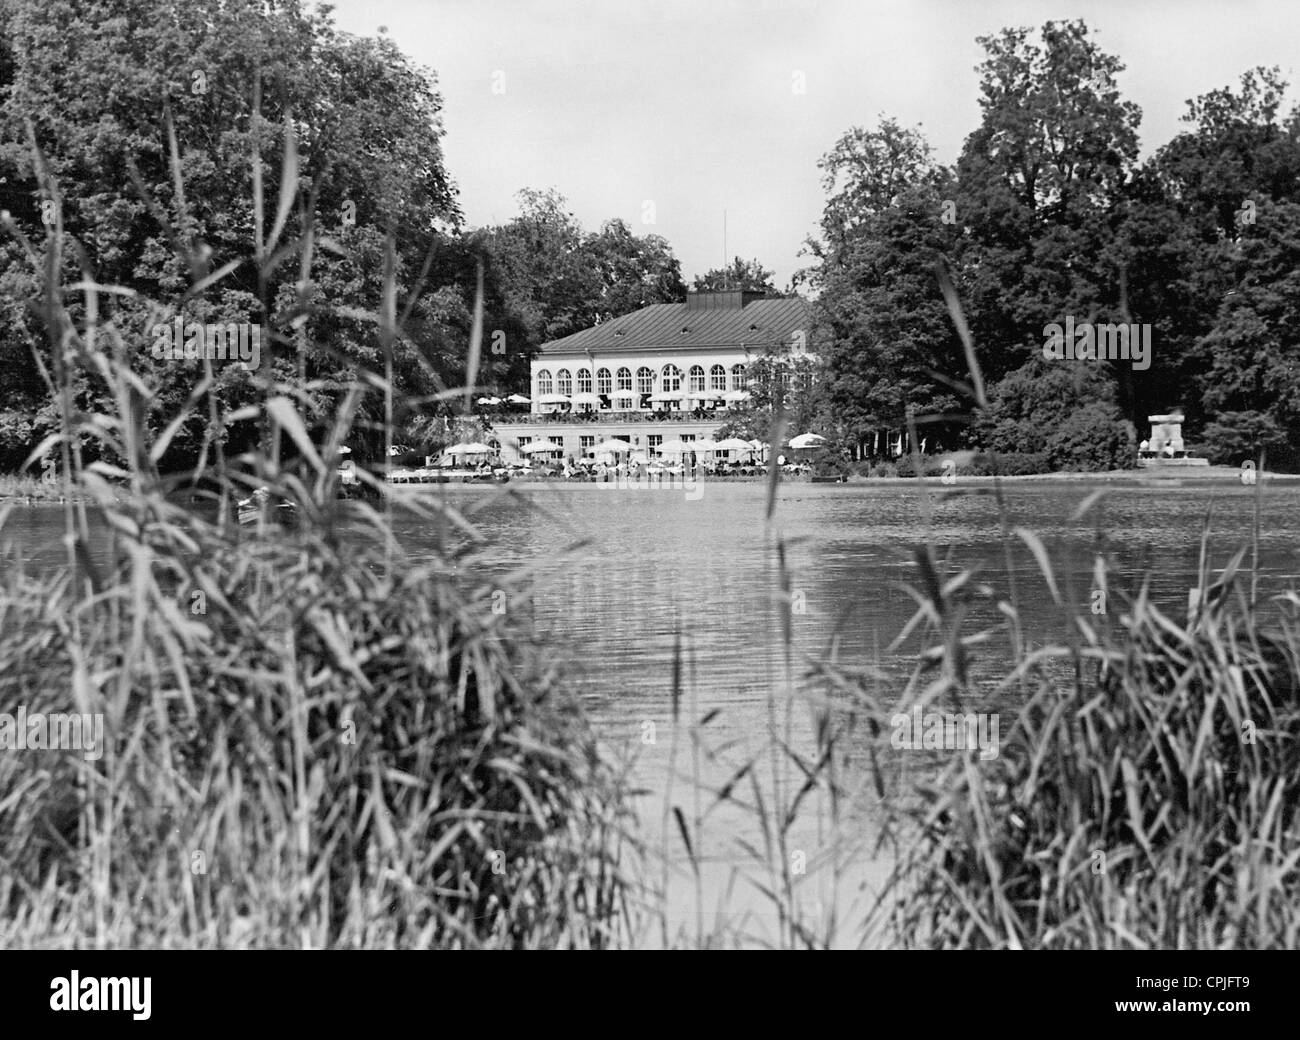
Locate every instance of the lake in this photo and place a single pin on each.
(624, 579)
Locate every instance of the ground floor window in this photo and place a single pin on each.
(586, 441)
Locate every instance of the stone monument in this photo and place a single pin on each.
(1165, 447)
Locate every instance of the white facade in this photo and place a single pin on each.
(649, 378)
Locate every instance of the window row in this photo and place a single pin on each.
(670, 380)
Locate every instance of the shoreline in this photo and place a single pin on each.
(1146, 477)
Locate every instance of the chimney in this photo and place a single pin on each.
(731, 300)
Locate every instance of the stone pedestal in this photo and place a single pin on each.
(1166, 434)
(1165, 448)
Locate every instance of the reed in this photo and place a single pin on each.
(311, 740)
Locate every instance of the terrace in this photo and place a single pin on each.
(548, 418)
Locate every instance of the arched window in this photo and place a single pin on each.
(697, 378)
(564, 382)
(670, 379)
(544, 382)
(717, 378)
(603, 385)
(584, 380)
(738, 377)
(645, 380)
(624, 379)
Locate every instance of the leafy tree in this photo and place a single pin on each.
(107, 88)
(562, 279)
(1237, 436)
(1037, 409)
(749, 275)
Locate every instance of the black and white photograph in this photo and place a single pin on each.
(656, 475)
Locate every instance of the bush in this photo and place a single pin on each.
(1234, 437)
(931, 465)
(1010, 464)
(1093, 439)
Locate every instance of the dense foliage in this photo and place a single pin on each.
(1048, 214)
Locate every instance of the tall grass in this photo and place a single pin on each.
(312, 740)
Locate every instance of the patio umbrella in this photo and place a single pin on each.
(613, 446)
(585, 398)
(519, 399)
(553, 399)
(539, 446)
(624, 395)
(707, 444)
(473, 448)
(733, 444)
(807, 440)
(668, 395)
(733, 396)
(488, 400)
(675, 447)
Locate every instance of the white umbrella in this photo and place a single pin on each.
(553, 399)
(488, 400)
(736, 395)
(668, 395)
(612, 446)
(707, 444)
(584, 398)
(733, 444)
(807, 440)
(539, 446)
(674, 447)
(624, 395)
(519, 399)
(474, 448)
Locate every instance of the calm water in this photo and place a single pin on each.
(662, 568)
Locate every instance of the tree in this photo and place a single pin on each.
(108, 88)
(748, 275)
(562, 279)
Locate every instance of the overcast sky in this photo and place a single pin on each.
(691, 104)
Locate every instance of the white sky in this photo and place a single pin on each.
(689, 103)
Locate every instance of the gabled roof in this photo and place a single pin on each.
(755, 325)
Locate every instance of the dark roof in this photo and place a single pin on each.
(758, 323)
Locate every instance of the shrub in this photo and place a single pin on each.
(1093, 439)
(1010, 464)
(1234, 437)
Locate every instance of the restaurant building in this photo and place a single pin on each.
(668, 371)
